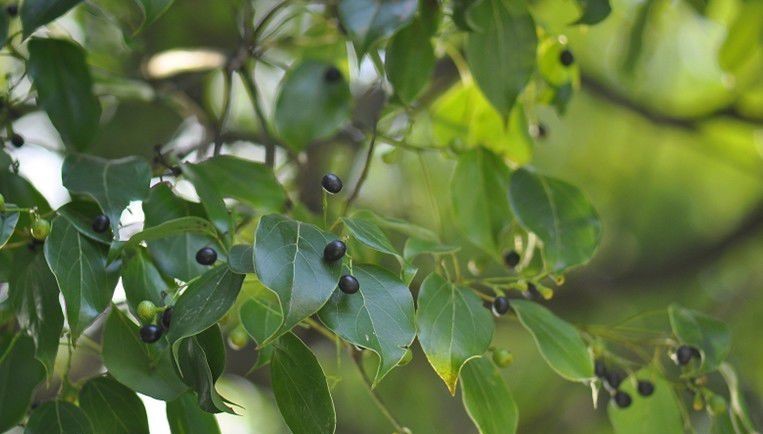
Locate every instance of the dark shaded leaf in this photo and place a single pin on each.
(8, 221)
(81, 215)
(185, 417)
(36, 13)
(594, 11)
(241, 259)
(166, 229)
(368, 21)
(19, 375)
(142, 281)
(112, 407)
(410, 58)
(59, 417)
(196, 372)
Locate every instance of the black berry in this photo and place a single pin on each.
(334, 251)
(331, 183)
(332, 74)
(540, 131)
(206, 256)
(645, 388)
(614, 379)
(566, 58)
(150, 333)
(101, 223)
(684, 354)
(622, 399)
(532, 292)
(511, 259)
(17, 140)
(166, 318)
(500, 305)
(12, 10)
(349, 284)
(600, 369)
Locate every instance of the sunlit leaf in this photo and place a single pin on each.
(369, 234)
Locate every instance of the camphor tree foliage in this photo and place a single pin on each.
(266, 249)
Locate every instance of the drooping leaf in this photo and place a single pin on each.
(300, 388)
(453, 327)
(166, 229)
(34, 296)
(709, 335)
(79, 265)
(8, 221)
(142, 280)
(380, 316)
(175, 255)
(410, 58)
(240, 259)
(368, 21)
(480, 201)
(61, 76)
(59, 417)
(308, 106)
(186, 417)
(19, 375)
(196, 372)
(211, 341)
(487, 399)
(112, 407)
(502, 44)
(594, 11)
(36, 13)
(658, 412)
(559, 214)
(288, 256)
(559, 342)
(369, 234)
(204, 302)
(81, 215)
(261, 317)
(106, 181)
(144, 368)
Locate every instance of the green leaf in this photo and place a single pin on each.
(453, 327)
(559, 214)
(308, 107)
(142, 280)
(737, 402)
(288, 256)
(211, 341)
(33, 294)
(410, 58)
(744, 37)
(487, 399)
(112, 407)
(8, 222)
(81, 215)
(59, 417)
(196, 371)
(261, 317)
(79, 265)
(106, 181)
(175, 255)
(241, 259)
(398, 225)
(659, 412)
(369, 234)
(64, 88)
(169, 228)
(204, 302)
(380, 316)
(185, 417)
(153, 9)
(479, 190)
(19, 375)
(368, 21)
(594, 11)
(147, 369)
(300, 388)
(559, 342)
(461, 12)
(710, 336)
(502, 44)
(415, 247)
(36, 13)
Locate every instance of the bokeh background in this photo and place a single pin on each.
(666, 144)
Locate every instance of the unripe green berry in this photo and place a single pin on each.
(503, 357)
(238, 338)
(146, 311)
(407, 357)
(717, 405)
(40, 229)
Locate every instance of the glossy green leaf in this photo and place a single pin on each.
(415, 247)
(369, 234)
(709, 335)
(380, 316)
(147, 369)
(81, 215)
(559, 214)
(487, 399)
(61, 76)
(453, 327)
(211, 341)
(175, 255)
(34, 294)
(8, 221)
(241, 259)
(105, 181)
(480, 201)
(196, 372)
(142, 280)
(368, 21)
(167, 229)
(261, 317)
(410, 57)
(300, 388)
(659, 412)
(594, 11)
(36, 13)
(744, 37)
(79, 265)
(58, 417)
(204, 302)
(502, 44)
(308, 107)
(559, 342)
(185, 417)
(112, 407)
(398, 225)
(19, 375)
(288, 256)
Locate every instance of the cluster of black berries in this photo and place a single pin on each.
(612, 380)
(151, 333)
(336, 249)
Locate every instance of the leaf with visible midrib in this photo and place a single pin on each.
(369, 234)
(380, 316)
(113, 408)
(58, 417)
(288, 257)
(453, 327)
(487, 399)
